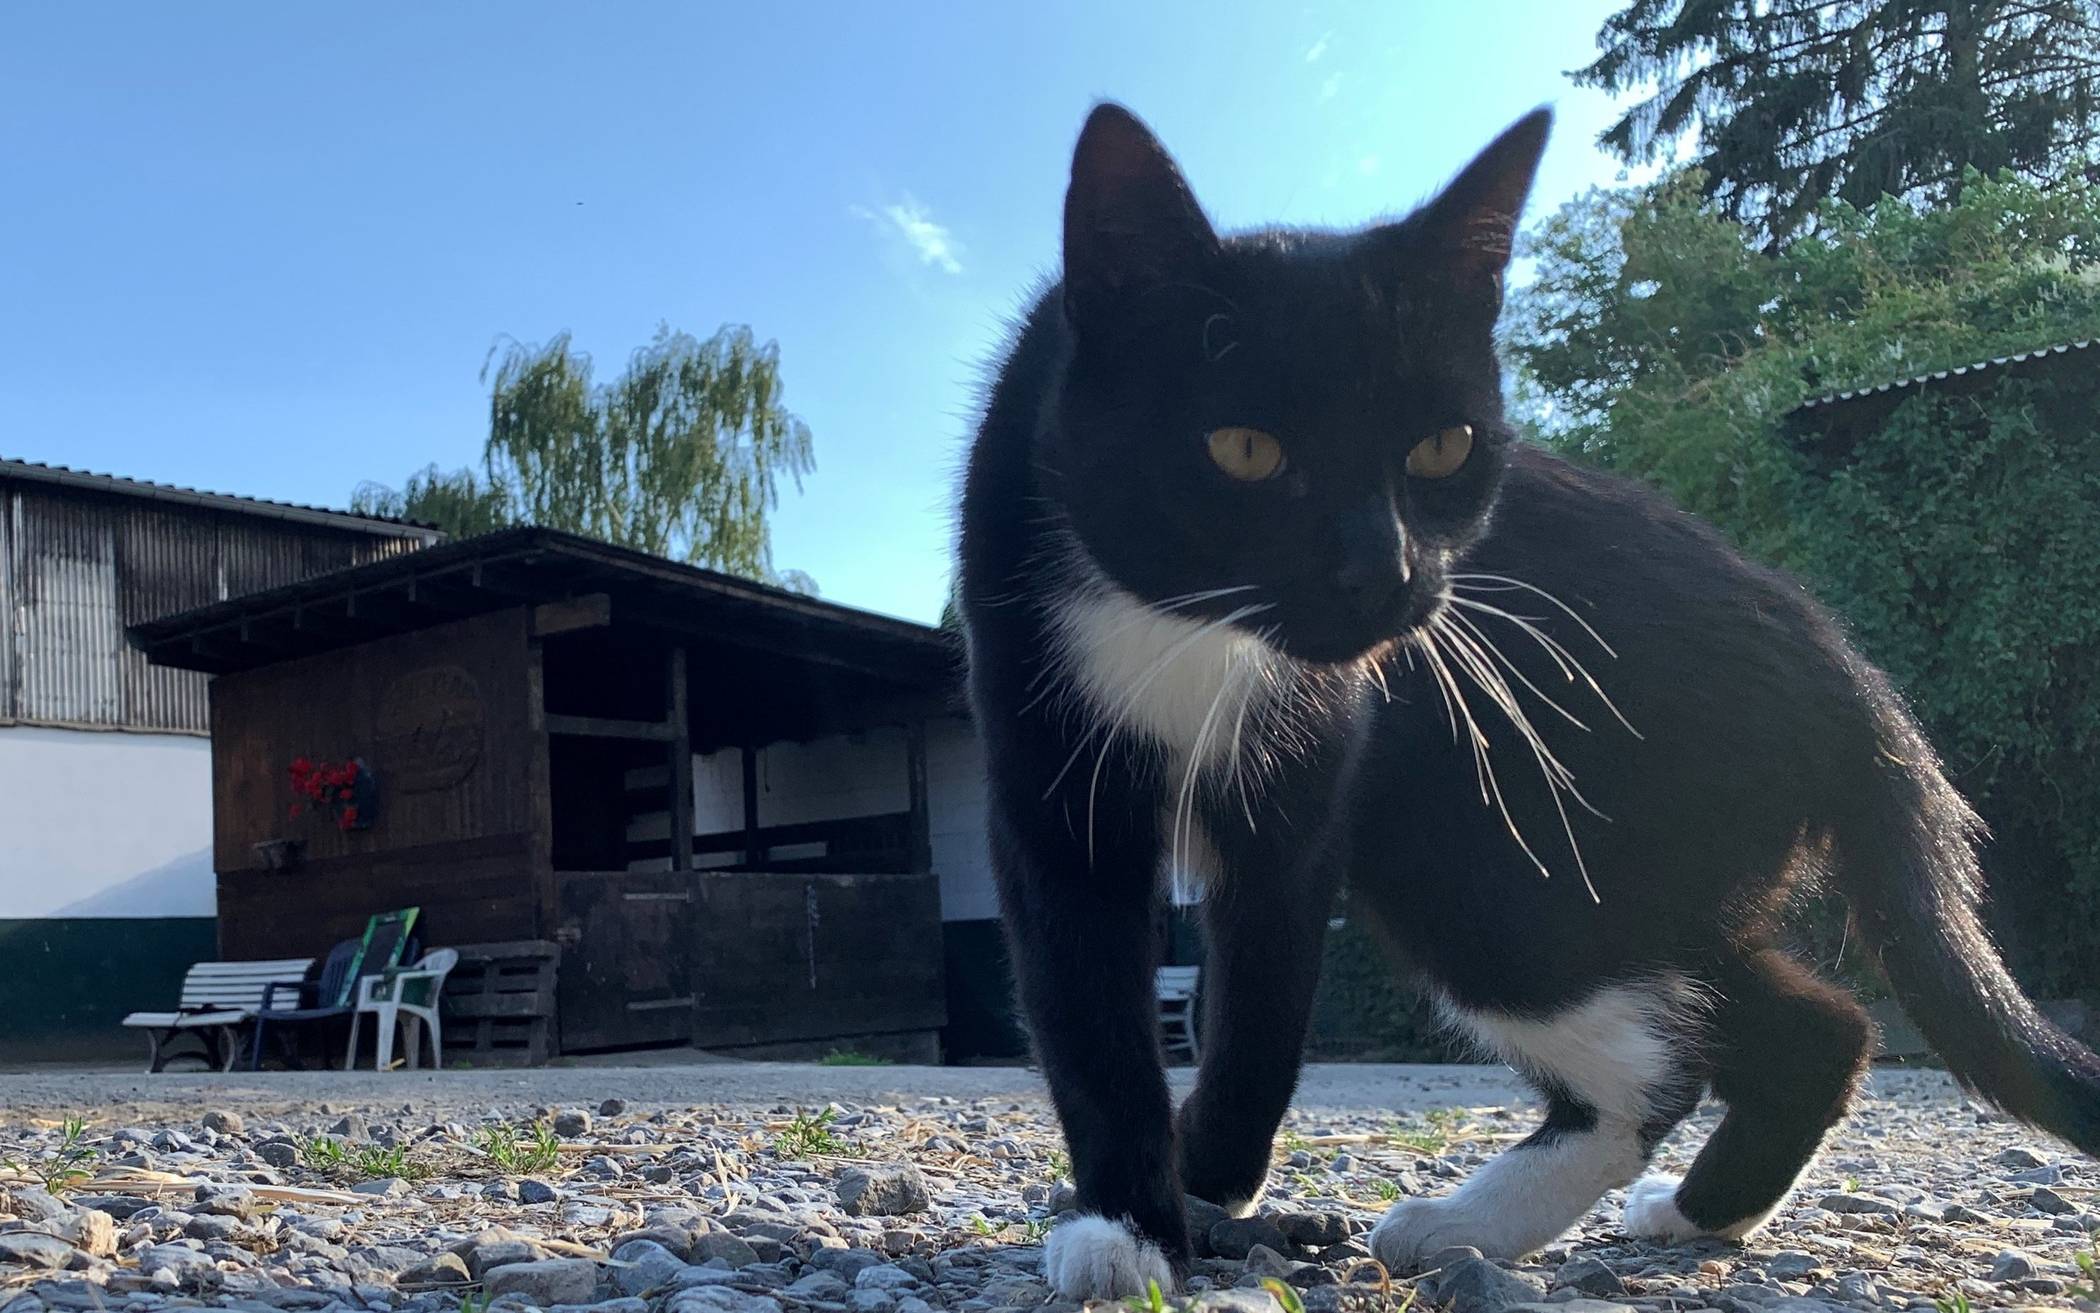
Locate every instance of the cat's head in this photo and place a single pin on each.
(1309, 423)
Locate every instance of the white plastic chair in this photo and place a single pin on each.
(413, 991)
(1176, 987)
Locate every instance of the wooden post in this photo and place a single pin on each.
(540, 792)
(681, 760)
(920, 835)
(752, 855)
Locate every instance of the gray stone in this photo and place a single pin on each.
(495, 1249)
(2046, 1200)
(644, 1265)
(820, 1285)
(445, 1269)
(572, 1122)
(845, 1263)
(1202, 1215)
(884, 1276)
(221, 1122)
(733, 1250)
(1858, 1287)
(184, 1263)
(1590, 1276)
(623, 1305)
(34, 1249)
(1474, 1285)
(1854, 1202)
(279, 1152)
(1791, 1265)
(1263, 1261)
(1234, 1236)
(39, 1205)
(350, 1127)
(2012, 1265)
(884, 1190)
(612, 1108)
(531, 1191)
(2020, 1158)
(720, 1299)
(547, 1281)
(1314, 1230)
(871, 1301)
(386, 1187)
(208, 1226)
(1235, 1301)
(1573, 1306)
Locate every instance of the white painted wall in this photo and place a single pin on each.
(104, 825)
(859, 775)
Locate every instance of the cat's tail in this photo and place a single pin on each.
(1907, 863)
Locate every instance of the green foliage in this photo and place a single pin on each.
(1956, 534)
(325, 1153)
(808, 1136)
(521, 1151)
(1364, 1010)
(1789, 104)
(66, 1166)
(683, 455)
(851, 1058)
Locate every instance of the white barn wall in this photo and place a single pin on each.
(855, 775)
(104, 825)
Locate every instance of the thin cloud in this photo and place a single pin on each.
(1318, 49)
(1332, 87)
(930, 241)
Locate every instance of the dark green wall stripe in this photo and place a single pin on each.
(66, 985)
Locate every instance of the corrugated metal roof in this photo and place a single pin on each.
(88, 480)
(1940, 376)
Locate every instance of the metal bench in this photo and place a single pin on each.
(218, 998)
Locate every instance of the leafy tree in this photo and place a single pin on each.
(460, 502)
(1795, 101)
(683, 455)
(1957, 537)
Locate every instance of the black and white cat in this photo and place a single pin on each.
(1257, 583)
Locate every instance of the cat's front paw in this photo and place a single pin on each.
(1651, 1211)
(1095, 1257)
(1413, 1229)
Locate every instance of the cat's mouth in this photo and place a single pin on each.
(1322, 637)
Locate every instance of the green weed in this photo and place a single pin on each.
(849, 1058)
(521, 1151)
(807, 1137)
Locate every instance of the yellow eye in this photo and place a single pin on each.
(1443, 455)
(1248, 455)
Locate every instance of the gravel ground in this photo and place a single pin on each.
(745, 1188)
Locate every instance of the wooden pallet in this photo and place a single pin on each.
(499, 1004)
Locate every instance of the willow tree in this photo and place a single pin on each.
(683, 455)
(1788, 103)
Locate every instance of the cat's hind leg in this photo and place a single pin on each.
(1619, 1069)
(1788, 1053)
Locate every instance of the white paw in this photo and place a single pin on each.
(1413, 1229)
(1651, 1211)
(1093, 1257)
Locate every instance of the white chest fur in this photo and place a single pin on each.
(1189, 686)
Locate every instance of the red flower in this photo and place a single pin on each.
(349, 818)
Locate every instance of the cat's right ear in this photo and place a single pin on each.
(1131, 223)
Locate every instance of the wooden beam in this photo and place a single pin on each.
(599, 727)
(754, 850)
(681, 760)
(919, 844)
(591, 611)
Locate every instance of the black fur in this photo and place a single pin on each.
(1760, 743)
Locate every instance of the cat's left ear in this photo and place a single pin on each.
(1471, 228)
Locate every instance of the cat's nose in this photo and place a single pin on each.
(1371, 581)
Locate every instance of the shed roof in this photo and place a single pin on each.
(116, 485)
(532, 566)
(1855, 404)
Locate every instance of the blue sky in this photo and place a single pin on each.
(265, 248)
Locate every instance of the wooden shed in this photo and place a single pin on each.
(530, 707)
